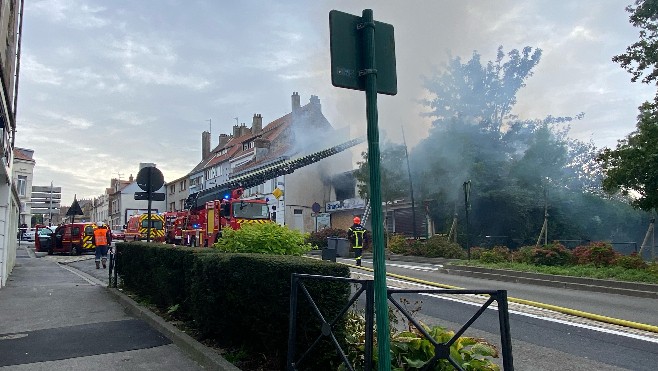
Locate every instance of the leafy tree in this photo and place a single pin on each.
(632, 167)
(641, 56)
(510, 162)
(393, 173)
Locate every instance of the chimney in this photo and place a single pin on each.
(236, 131)
(295, 102)
(315, 102)
(257, 124)
(223, 139)
(205, 145)
(262, 148)
(244, 130)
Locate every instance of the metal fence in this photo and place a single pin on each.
(296, 359)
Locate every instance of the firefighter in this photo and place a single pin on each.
(101, 241)
(358, 237)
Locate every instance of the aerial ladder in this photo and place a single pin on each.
(261, 174)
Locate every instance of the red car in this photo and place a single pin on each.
(118, 235)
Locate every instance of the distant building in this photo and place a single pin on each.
(45, 201)
(122, 201)
(23, 171)
(176, 193)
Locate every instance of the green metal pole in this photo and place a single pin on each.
(381, 300)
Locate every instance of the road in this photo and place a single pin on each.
(542, 339)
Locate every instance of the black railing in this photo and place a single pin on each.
(112, 271)
(442, 350)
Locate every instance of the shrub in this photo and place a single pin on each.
(553, 254)
(632, 261)
(440, 246)
(498, 254)
(599, 254)
(476, 252)
(319, 239)
(397, 244)
(267, 238)
(524, 254)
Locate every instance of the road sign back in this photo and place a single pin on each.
(346, 45)
(150, 179)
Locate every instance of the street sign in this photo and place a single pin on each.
(347, 59)
(145, 196)
(150, 179)
(277, 193)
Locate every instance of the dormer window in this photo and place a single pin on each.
(247, 145)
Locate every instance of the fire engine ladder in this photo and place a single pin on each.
(262, 174)
(366, 213)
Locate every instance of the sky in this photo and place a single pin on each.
(106, 85)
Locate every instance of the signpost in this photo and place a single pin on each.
(354, 41)
(149, 179)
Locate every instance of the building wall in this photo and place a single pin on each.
(9, 203)
(129, 206)
(176, 193)
(24, 169)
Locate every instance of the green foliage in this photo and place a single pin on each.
(397, 244)
(525, 254)
(440, 246)
(613, 272)
(476, 252)
(599, 254)
(393, 174)
(631, 167)
(410, 350)
(632, 261)
(498, 254)
(641, 55)
(551, 254)
(319, 239)
(236, 300)
(267, 238)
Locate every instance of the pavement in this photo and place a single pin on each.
(57, 313)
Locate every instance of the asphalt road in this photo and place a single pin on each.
(544, 342)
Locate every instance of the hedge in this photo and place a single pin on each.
(238, 300)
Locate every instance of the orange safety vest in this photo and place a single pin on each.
(100, 236)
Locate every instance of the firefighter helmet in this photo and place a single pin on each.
(357, 220)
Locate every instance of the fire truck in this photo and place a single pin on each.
(138, 226)
(210, 210)
(203, 226)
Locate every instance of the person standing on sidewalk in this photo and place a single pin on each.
(101, 241)
(358, 237)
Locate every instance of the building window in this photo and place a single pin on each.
(22, 185)
(182, 205)
(172, 189)
(183, 185)
(172, 206)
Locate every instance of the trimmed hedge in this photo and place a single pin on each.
(239, 300)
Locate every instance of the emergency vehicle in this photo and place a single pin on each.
(138, 226)
(203, 227)
(72, 238)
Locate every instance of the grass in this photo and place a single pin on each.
(590, 271)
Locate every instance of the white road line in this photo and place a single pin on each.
(494, 307)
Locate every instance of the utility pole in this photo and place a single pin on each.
(467, 206)
(50, 209)
(411, 185)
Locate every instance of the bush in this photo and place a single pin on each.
(498, 254)
(599, 254)
(319, 239)
(476, 252)
(440, 246)
(398, 244)
(267, 238)
(525, 254)
(553, 254)
(632, 261)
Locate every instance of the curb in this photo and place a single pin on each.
(204, 356)
(641, 290)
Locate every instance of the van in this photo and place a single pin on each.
(73, 239)
(138, 225)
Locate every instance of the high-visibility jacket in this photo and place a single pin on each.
(357, 236)
(100, 236)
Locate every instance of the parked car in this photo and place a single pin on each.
(118, 235)
(73, 239)
(29, 234)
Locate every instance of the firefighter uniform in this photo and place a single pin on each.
(358, 237)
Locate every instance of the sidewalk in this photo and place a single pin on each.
(52, 317)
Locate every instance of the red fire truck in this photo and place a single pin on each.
(203, 227)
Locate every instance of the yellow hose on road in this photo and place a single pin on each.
(555, 308)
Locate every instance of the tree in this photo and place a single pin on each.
(393, 176)
(631, 168)
(641, 55)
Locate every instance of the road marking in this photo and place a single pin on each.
(525, 310)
